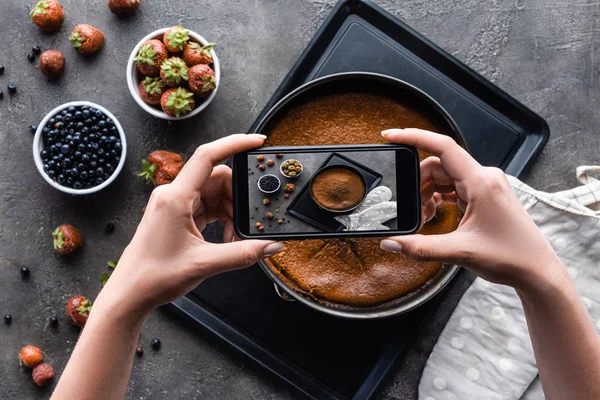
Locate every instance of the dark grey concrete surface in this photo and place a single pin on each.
(543, 52)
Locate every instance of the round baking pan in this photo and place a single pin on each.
(345, 210)
(394, 88)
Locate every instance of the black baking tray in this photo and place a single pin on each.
(304, 207)
(322, 356)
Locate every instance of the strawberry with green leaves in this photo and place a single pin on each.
(150, 57)
(194, 53)
(48, 15)
(177, 102)
(161, 167)
(78, 310)
(176, 38)
(67, 239)
(202, 80)
(86, 39)
(151, 90)
(174, 72)
(123, 7)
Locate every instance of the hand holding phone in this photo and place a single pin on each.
(326, 191)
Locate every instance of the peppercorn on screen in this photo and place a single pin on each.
(307, 192)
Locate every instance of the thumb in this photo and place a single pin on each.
(215, 258)
(445, 248)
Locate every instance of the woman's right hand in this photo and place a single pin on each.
(496, 238)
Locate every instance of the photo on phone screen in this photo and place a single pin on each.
(369, 190)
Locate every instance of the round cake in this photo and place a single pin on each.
(352, 272)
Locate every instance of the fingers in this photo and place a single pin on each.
(459, 164)
(448, 248)
(199, 167)
(433, 171)
(218, 188)
(214, 259)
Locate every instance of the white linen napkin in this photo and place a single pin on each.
(372, 213)
(485, 351)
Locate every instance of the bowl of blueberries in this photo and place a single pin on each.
(79, 148)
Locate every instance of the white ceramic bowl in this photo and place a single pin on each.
(38, 145)
(273, 191)
(134, 77)
(287, 176)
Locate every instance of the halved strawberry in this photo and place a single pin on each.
(177, 102)
(194, 53)
(30, 356)
(174, 72)
(201, 79)
(86, 39)
(151, 89)
(150, 57)
(161, 167)
(67, 239)
(48, 15)
(176, 38)
(78, 310)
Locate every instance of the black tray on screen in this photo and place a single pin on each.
(304, 207)
(325, 357)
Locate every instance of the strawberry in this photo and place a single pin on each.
(194, 53)
(177, 102)
(52, 64)
(78, 310)
(173, 71)
(289, 187)
(30, 356)
(48, 15)
(151, 89)
(86, 39)
(42, 374)
(176, 38)
(202, 80)
(67, 239)
(161, 167)
(150, 57)
(123, 7)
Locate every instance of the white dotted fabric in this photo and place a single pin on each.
(485, 351)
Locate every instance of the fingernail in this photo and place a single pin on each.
(391, 246)
(388, 131)
(259, 135)
(272, 249)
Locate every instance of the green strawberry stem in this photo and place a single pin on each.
(147, 172)
(153, 85)
(40, 8)
(179, 101)
(206, 49)
(208, 83)
(85, 307)
(147, 55)
(177, 37)
(175, 70)
(58, 239)
(76, 39)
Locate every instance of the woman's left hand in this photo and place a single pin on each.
(168, 256)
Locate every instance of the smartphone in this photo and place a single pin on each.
(311, 192)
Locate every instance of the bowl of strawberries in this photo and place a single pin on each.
(173, 73)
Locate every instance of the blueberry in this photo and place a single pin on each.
(24, 272)
(93, 164)
(58, 117)
(139, 351)
(88, 121)
(77, 185)
(1, 69)
(59, 125)
(99, 181)
(94, 157)
(99, 171)
(100, 151)
(109, 228)
(85, 158)
(91, 173)
(68, 117)
(32, 128)
(45, 154)
(60, 178)
(65, 149)
(118, 146)
(77, 155)
(1, 94)
(53, 320)
(83, 175)
(155, 343)
(12, 88)
(71, 109)
(70, 181)
(85, 112)
(99, 114)
(46, 167)
(81, 126)
(74, 172)
(110, 169)
(36, 49)
(7, 319)
(31, 57)
(51, 173)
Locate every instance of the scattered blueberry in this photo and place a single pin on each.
(155, 343)
(7, 319)
(1, 69)
(36, 49)
(53, 321)
(32, 128)
(24, 272)
(31, 57)
(12, 88)
(110, 227)
(139, 351)
(1, 94)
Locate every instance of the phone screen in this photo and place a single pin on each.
(304, 192)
